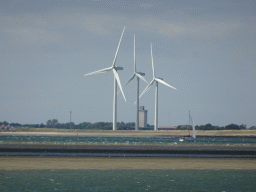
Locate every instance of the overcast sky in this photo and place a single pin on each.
(204, 48)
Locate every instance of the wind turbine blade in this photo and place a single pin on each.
(147, 88)
(99, 71)
(153, 67)
(161, 81)
(118, 49)
(118, 81)
(127, 82)
(134, 56)
(141, 77)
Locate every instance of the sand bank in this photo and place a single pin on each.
(109, 133)
(125, 163)
(124, 149)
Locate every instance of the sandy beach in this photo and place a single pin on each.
(79, 162)
(124, 163)
(110, 133)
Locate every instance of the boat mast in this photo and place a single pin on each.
(188, 117)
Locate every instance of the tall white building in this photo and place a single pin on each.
(142, 117)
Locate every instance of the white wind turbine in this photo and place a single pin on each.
(160, 80)
(116, 80)
(139, 76)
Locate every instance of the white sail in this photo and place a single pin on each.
(194, 130)
(193, 127)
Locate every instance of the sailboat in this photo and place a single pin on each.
(189, 138)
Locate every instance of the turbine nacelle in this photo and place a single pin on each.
(113, 68)
(135, 73)
(118, 68)
(160, 80)
(142, 74)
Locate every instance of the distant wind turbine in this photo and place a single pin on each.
(160, 80)
(114, 68)
(139, 76)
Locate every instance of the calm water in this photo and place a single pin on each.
(124, 140)
(128, 180)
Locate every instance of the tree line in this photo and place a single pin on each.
(87, 125)
(211, 127)
(120, 126)
(71, 125)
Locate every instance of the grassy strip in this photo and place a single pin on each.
(125, 163)
(183, 144)
(137, 133)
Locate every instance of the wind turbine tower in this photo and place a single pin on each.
(139, 76)
(114, 68)
(160, 80)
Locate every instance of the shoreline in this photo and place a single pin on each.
(102, 133)
(188, 149)
(75, 163)
(132, 149)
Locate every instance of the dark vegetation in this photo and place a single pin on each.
(211, 127)
(85, 125)
(121, 126)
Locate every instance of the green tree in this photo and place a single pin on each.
(49, 123)
(121, 126)
(130, 124)
(72, 125)
(52, 123)
(55, 123)
(208, 126)
(232, 127)
(252, 127)
(242, 126)
(84, 125)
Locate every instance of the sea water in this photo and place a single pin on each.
(128, 180)
(123, 140)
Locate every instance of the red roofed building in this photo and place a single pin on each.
(167, 128)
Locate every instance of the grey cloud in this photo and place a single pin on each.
(34, 29)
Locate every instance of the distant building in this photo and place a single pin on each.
(142, 117)
(167, 128)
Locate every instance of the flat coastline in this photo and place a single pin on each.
(123, 148)
(14, 162)
(129, 133)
